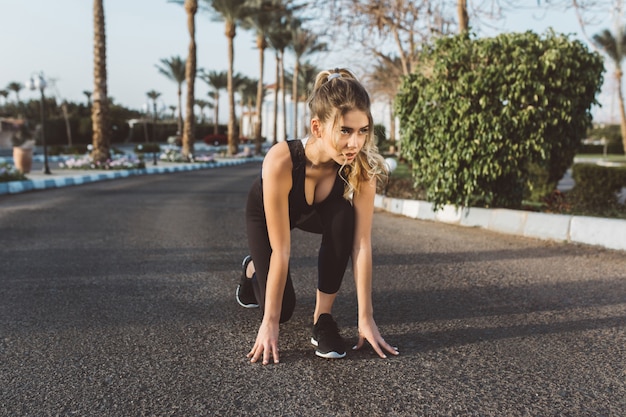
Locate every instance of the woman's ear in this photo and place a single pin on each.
(316, 128)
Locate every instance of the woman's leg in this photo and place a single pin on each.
(323, 304)
(260, 249)
(337, 219)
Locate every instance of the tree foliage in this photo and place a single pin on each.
(174, 69)
(614, 46)
(477, 114)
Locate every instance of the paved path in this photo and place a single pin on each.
(116, 299)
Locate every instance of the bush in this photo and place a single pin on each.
(477, 114)
(80, 149)
(147, 148)
(9, 173)
(596, 188)
(611, 133)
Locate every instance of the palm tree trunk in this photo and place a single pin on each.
(392, 128)
(282, 89)
(294, 98)
(216, 112)
(179, 116)
(622, 112)
(461, 8)
(100, 105)
(191, 6)
(250, 118)
(233, 142)
(258, 140)
(242, 110)
(68, 128)
(275, 140)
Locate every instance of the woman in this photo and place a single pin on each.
(324, 184)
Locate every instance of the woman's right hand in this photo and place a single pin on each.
(266, 344)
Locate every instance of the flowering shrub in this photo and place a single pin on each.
(174, 154)
(203, 158)
(85, 162)
(9, 173)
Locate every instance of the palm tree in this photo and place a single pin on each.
(247, 89)
(16, 88)
(87, 94)
(231, 12)
(217, 81)
(174, 69)
(279, 39)
(4, 94)
(306, 80)
(615, 48)
(239, 83)
(154, 95)
(304, 42)
(267, 14)
(173, 109)
(100, 106)
(191, 7)
(201, 105)
(461, 10)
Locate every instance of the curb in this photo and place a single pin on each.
(608, 233)
(69, 179)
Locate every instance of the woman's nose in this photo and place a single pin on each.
(352, 141)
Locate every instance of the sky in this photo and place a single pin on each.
(56, 37)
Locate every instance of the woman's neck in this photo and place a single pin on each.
(316, 155)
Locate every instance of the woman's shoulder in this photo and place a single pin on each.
(278, 159)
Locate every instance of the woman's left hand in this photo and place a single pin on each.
(369, 331)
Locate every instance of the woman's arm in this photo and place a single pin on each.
(277, 168)
(362, 267)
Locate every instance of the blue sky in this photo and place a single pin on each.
(55, 36)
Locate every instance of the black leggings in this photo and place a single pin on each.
(333, 219)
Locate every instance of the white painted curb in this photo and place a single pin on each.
(608, 233)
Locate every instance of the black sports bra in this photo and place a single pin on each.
(299, 209)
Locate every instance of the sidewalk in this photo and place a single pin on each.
(60, 177)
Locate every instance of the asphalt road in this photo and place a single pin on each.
(117, 299)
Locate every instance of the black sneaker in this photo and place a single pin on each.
(327, 339)
(245, 293)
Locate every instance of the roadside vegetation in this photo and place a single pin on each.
(487, 122)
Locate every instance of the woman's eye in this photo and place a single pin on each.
(364, 131)
(345, 132)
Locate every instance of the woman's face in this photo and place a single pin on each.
(348, 139)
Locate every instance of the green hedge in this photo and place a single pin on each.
(486, 122)
(596, 188)
(611, 149)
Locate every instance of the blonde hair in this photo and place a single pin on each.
(335, 93)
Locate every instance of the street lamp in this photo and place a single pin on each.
(38, 82)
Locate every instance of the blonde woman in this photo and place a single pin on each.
(325, 184)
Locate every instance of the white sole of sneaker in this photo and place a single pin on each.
(328, 355)
(242, 304)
